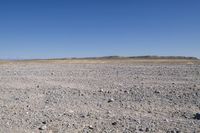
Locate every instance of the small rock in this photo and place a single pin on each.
(166, 120)
(114, 123)
(197, 116)
(88, 114)
(109, 92)
(38, 86)
(101, 90)
(147, 129)
(111, 100)
(43, 127)
(157, 92)
(90, 127)
(141, 129)
(173, 131)
(186, 115)
(82, 115)
(81, 94)
(149, 111)
(17, 98)
(44, 122)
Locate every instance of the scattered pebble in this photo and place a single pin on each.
(147, 129)
(101, 90)
(141, 129)
(90, 127)
(157, 92)
(44, 122)
(149, 112)
(82, 115)
(111, 100)
(173, 131)
(166, 120)
(17, 98)
(43, 127)
(114, 123)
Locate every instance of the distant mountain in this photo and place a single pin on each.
(164, 57)
(140, 57)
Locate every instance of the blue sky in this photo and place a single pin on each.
(83, 28)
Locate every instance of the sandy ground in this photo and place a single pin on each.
(99, 98)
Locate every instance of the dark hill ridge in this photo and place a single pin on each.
(139, 57)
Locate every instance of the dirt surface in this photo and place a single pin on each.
(99, 98)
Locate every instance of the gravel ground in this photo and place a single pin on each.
(99, 98)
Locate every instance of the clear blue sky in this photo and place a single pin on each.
(82, 28)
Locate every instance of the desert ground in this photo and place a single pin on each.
(100, 96)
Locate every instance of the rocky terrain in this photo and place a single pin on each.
(99, 98)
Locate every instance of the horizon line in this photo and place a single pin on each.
(109, 57)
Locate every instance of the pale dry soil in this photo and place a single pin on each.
(99, 98)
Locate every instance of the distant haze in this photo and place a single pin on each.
(91, 28)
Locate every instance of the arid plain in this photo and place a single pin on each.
(100, 96)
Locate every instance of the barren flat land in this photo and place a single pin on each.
(100, 96)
